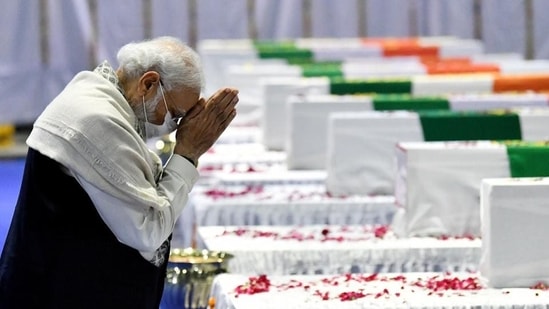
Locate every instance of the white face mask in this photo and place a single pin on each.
(168, 126)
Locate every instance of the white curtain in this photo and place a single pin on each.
(70, 38)
(31, 74)
(70, 34)
(20, 33)
(335, 18)
(388, 18)
(219, 19)
(540, 31)
(171, 17)
(20, 62)
(279, 19)
(446, 18)
(119, 22)
(503, 26)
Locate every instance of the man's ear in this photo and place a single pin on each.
(148, 83)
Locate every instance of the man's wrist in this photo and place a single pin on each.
(190, 156)
(190, 160)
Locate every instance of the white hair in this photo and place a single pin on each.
(178, 64)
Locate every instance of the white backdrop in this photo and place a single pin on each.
(435, 17)
(44, 43)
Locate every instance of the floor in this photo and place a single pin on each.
(12, 163)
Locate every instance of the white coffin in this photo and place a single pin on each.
(360, 150)
(275, 93)
(246, 78)
(452, 84)
(360, 146)
(306, 138)
(483, 101)
(438, 185)
(514, 217)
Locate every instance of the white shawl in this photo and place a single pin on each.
(90, 129)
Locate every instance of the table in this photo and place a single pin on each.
(244, 152)
(235, 134)
(412, 290)
(336, 249)
(278, 204)
(223, 160)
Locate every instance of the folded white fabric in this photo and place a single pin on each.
(514, 214)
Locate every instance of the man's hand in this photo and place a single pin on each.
(204, 123)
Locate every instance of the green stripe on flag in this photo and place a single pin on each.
(463, 126)
(322, 69)
(285, 53)
(349, 86)
(282, 50)
(528, 159)
(273, 44)
(407, 102)
(306, 61)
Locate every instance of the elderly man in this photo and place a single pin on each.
(96, 209)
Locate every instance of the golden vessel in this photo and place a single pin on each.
(189, 277)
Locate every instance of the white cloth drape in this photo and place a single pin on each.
(171, 17)
(70, 51)
(388, 18)
(356, 250)
(222, 19)
(503, 26)
(446, 17)
(382, 292)
(334, 18)
(279, 19)
(541, 24)
(20, 33)
(28, 81)
(20, 69)
(119, 22)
